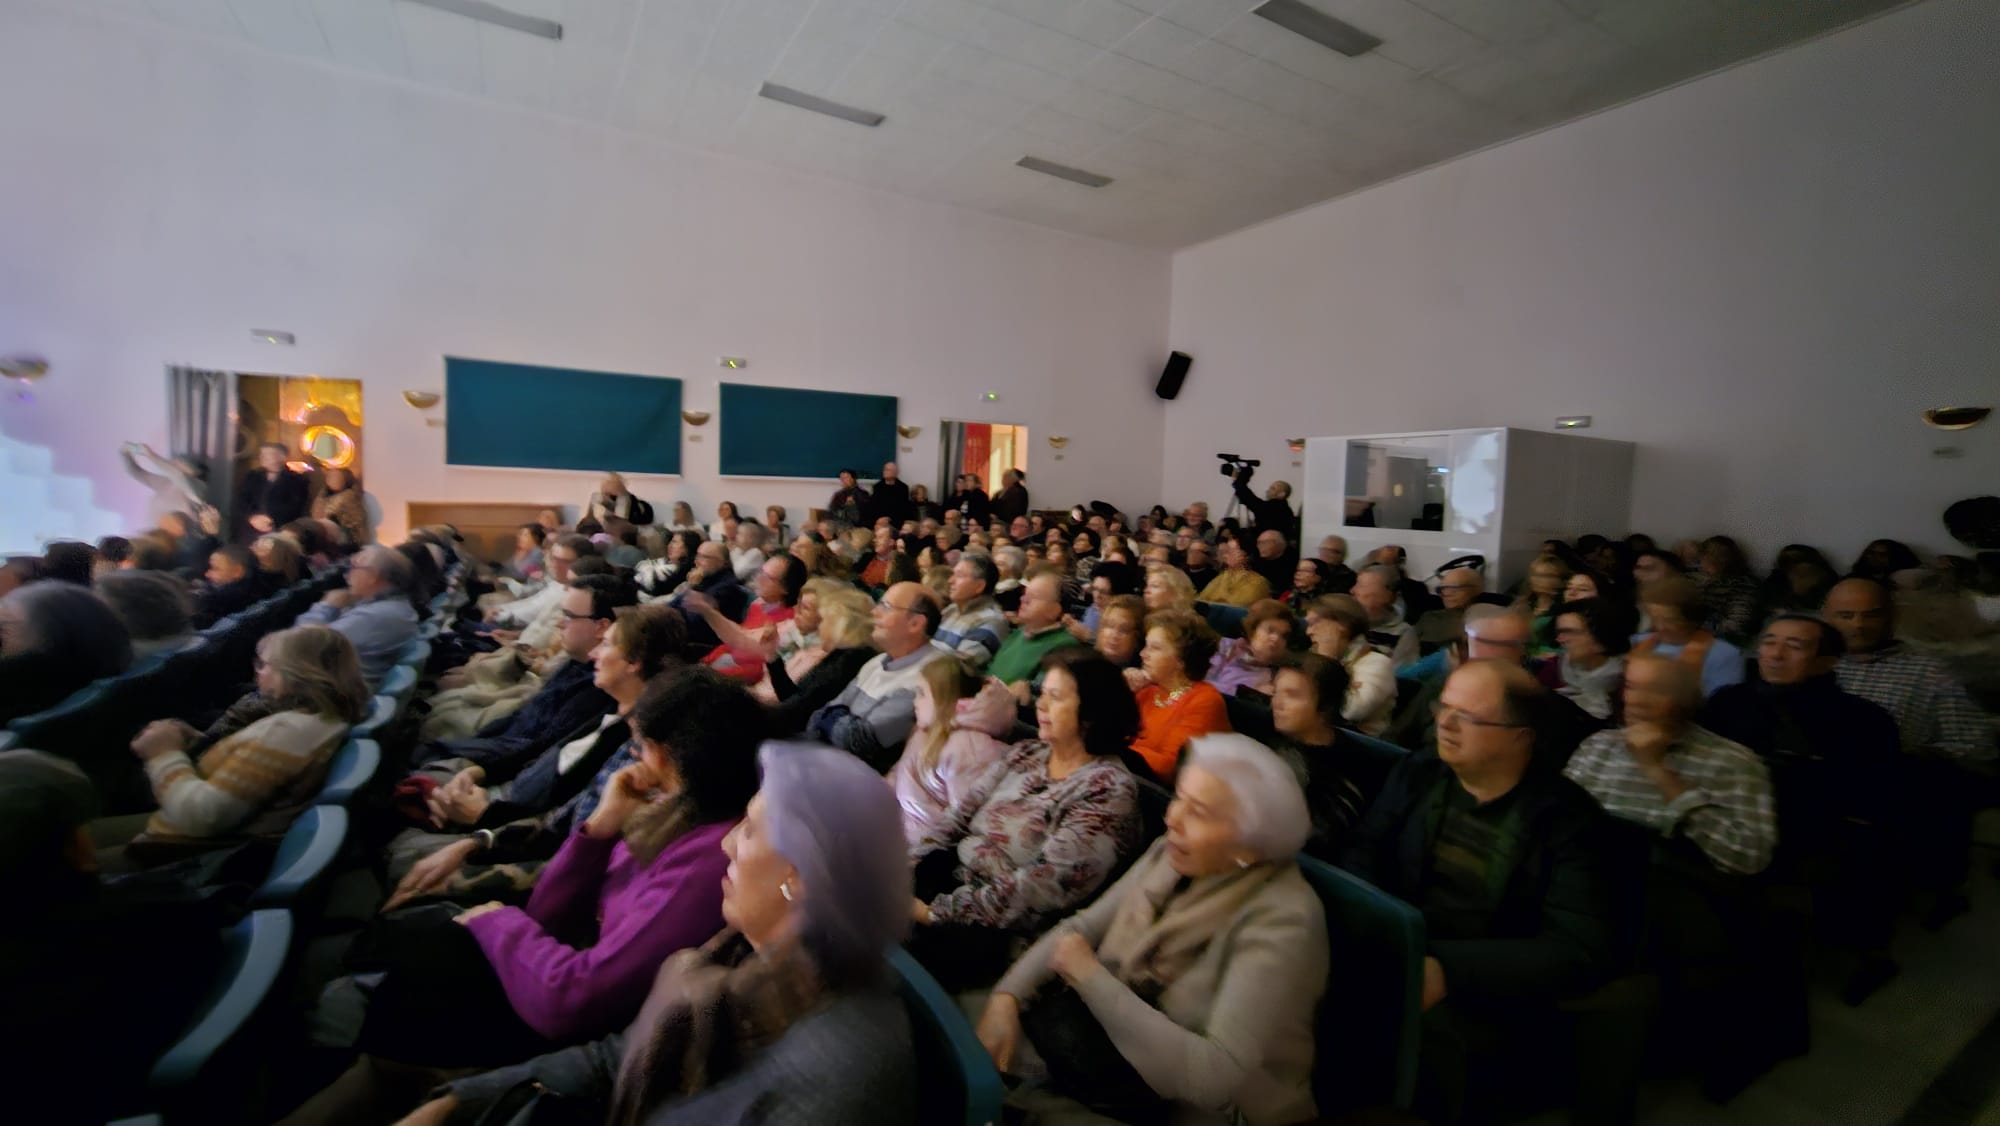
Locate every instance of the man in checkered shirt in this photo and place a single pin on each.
(1669, 774)
(1935, 716)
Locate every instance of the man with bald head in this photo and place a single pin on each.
(1339, 576)
(1668, 773)
(1510, 869)
(1274, 560)
(1932, 711)
(873, 715)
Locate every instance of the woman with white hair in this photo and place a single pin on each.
(1189, 989)
(788, 1015)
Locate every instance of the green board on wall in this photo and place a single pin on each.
(785, 432)
(526, 417)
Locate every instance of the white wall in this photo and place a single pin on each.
(163, 194)
(1760, 277)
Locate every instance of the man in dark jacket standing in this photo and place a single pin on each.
(1510, 867)
(1013, 498)
(891, 498)
(271, 496)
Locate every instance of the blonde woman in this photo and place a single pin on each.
(792, 644)
(846, 620)
(1168, 588)
(962, 722)
(255, 781)
(1337, 627)
(1547, 576)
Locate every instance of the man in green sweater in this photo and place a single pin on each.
(1041, 631)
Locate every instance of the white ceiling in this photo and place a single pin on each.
(1208, 118)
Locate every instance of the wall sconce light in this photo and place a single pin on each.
(909, 431)
(1296, 445)
(423, 401)
(696, 418)
(1956, 418)
(732, 363)
(1057, 442)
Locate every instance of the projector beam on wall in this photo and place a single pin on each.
(496, 15)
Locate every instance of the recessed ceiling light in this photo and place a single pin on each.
(1325, 30)
(1063, 172)
(496, 15)
(818, 104)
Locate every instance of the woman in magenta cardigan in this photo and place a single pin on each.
(638, 881)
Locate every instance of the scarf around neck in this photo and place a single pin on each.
(1168, 920)
(1594, 690)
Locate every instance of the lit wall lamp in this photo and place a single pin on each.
(696, 418)
(909, 431)
(1956, 418)
(423, 401)
(1296, 445)
(1058, 442)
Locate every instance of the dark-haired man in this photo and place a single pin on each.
(850, 500)
(1013, 498)
(271, 495)
(974, 626)
(1510, 869)
(874, 714)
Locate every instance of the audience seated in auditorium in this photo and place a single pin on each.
(1934, 715)
(1339, 779)
(1548, 577)
(1175, 703)
(1675, 609)
(795, 687)
(963, 720)
(746, 552)
(1511, 870)
(890, 499)
(271, 495)
(256, 780)
(779, 581)
(969, 500)
(716, 583)
(1250, 660)
(1673, 776)
(639, 879)
(191, 544)
(1034, 836)
(1412, 598)
(1729, 590)
(340, 500)
(1188, 991)
(620, 543)
(1387, 634)
(1339, 576)
(849, 503)
(1275, 561)
(374, 612)
(612, 498)
(1168, 588)
(559, 553)
(280, 563)
(776, 532)
(1198, 563)
(1461, 583)
(534, 803)
(1337, 629)
(1011, 502)
(873, 715)
(155, 606)
(67, 561)
(659, 578)
(1040, 632)
(1594, 634)
(974, 626)
(1237, 585)
(119, 967)
(1309, 581)
(1882, 559)
(1121, 631)
(231, 587)
(787, 1016)
(525, 565)
(55, 637)
(1798, 583)
(723, 528)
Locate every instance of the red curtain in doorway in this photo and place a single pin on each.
(978, 450)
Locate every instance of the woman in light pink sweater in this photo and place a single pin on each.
(962, 724)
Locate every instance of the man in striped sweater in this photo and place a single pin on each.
(874, 714)
(973, 625)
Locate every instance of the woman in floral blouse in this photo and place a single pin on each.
(1037, 834)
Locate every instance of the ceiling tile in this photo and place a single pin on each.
(1100, 23)
(1159, 43)
(1100, 106)
(362, 33)
(286, 26)
(517, 67)
(1409, 34)
(995, 72)
(1026, 42)
(443, 48)
(1513, 20)
(1206, 17)
(212, 16)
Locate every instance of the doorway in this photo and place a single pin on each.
(318, 421)
(986, 448)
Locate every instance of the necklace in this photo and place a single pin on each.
(1169, 699)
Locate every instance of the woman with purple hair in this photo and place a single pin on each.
(790, 1013)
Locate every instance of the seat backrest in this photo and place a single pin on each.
(956, 1081)
(254, 952)
(1223, 618)
(380, 712)
(353, 767)
(398, 684)
(1366, 1054)
(305, 856)
(416, 652)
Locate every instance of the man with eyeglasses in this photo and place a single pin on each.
(1490, 633)
(873, 715)
(1509, 866)
(1461, 584)
(374, 612)
(713, 579)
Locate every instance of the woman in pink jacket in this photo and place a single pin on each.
(963, 720)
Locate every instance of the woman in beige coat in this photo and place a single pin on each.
(1187, 992)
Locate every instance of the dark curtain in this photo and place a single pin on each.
(200, 426)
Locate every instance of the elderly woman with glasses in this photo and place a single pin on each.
(1188, 990)
(1337, 628)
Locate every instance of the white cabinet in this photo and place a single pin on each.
(1441, 494)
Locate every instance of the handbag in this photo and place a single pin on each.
(1082, 1061)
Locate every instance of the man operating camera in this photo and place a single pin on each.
(1273, 510)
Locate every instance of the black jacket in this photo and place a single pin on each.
(1554, 931)
(214, 603)
(1012, 502)
(891, 499)
(972, 505)
(284, 499)
(1832, 755)
(1268, 514)
(566, 701)
(813, 691)
(729, 595)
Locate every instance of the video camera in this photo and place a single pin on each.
(1234, 466)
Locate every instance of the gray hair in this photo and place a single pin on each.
(830, 815)
(1271, 816)
(1389, 573)
(154, 605)
(1682, 680)
(391, 567)
(1011, 560)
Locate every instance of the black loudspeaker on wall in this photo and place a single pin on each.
(1173, 375)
